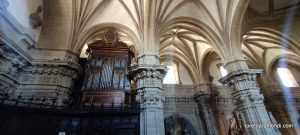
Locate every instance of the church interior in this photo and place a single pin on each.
(149, 67)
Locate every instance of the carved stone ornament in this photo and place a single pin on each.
(110, 36)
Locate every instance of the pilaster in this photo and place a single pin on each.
(148, 76)
(249, 101)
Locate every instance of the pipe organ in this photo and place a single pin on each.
(106, 71)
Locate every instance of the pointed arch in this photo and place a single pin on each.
(90, 32)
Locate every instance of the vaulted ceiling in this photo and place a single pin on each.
(186, 30)
(142, 20)
(264, 47)
(272, 5)
(183, 29)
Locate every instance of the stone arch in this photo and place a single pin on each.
(272, 44)
(185, 62)
(206, 61)
(199, 27)
(191, 45)
(191, 123)
(90, 32)
(289, 59)
(235, 31)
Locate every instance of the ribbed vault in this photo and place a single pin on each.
(263, 47)
(188, 42)
(145, 19)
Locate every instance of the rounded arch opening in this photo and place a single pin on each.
(213, 69)
(189, 40)
(263, 46)
(125, 34)
(184, 64)
(177, 125)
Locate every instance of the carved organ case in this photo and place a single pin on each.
(106, 80)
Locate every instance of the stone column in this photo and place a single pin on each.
(205, 100)
(276, 103)
(249, 101)
(148, 75)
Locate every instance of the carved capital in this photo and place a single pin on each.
(241, 75)
(148, 75)
(246, 92)
(148, 80)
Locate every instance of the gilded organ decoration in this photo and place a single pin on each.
(107, 70)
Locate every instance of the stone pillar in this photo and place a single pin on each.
(249, 101)
(148, 75)
(205, 100)
(276, 103)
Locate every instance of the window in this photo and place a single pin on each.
(287, 77)
(83, 51)
(223, 71)
(172, 74)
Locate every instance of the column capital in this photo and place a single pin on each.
(149, 84)
(233, 76)
(143, 71)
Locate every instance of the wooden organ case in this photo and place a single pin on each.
(106, 81)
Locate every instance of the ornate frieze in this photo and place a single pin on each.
(10, 61)
(48, 73)
(10, 65)
(52, 79)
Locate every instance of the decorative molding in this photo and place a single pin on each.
(109, 39)
(45, 78)
(149, 77)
